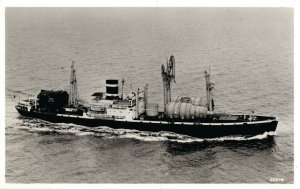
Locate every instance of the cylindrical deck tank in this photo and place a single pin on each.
(197, 101)
(185, 110)
(170, 109)
(177, 99)
(201, 112)
(152, 109)
(193, 112)
(203, 101)
(176, 109)
(188, 111)
(182, 110)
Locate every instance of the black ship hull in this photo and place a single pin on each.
(200, 130)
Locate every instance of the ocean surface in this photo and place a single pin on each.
(249, 52)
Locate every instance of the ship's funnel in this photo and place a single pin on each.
(112, 89)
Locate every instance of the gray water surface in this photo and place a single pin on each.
(248, 50)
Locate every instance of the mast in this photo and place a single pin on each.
(168, 75)
(146, 96)
(73, 96)
(137, 101)
(209, 88)
(123, 81)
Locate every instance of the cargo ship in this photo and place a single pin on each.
(192, 116)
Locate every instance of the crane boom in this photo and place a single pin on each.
(168, 76)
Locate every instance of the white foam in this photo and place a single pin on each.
(144, 138)
(37, 129)
(262, 136)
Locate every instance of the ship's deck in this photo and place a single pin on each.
(216, 118)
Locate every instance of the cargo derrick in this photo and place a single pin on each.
(209, 88)
(186, 108)
(168, 75)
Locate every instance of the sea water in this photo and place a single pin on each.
(249, 52)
